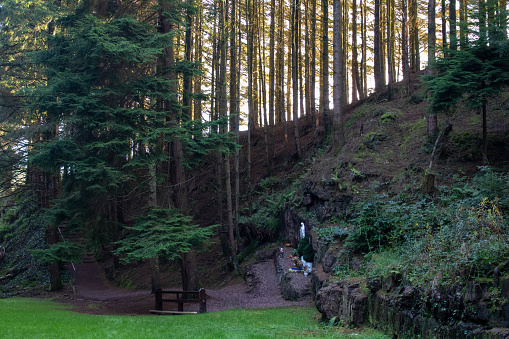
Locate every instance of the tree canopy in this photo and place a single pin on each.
(164, 233)
(473, 74)
(107, 107)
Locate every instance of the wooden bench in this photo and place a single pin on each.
(180, 297)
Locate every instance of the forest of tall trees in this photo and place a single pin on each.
(106, 106)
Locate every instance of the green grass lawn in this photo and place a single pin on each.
(32, 318)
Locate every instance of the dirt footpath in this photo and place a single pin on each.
(93, 293)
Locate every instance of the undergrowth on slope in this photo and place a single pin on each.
(459, 235)
(273, 194)
(22, 229)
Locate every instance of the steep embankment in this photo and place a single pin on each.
(389, 255)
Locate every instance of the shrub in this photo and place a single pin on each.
(388, 117)
(472, 244)
(306, 250)
(330, 233)
(371, 229)
(461, 236)
(269, 205)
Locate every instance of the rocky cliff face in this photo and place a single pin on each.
(323, 199)
(345, 301)
(477, 310)
(401, 310)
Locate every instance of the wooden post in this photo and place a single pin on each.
(180, 303)
(203, 300)
(429, 184)
(159, 299)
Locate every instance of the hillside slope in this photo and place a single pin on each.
(388, 152)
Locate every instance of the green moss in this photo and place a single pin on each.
(388, 117)
(361, 112)
(475, 120)
(373, 139)
(463, 139)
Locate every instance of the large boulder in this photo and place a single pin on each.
(344, 300)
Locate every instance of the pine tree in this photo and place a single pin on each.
(474, 74)
(113, 117)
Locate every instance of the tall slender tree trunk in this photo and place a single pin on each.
(261, 69)
(307, 58)
(251, 104)
(463, 24)
(389, 51)
(415, 37)
(312, 95)
(338, 73)
(187, 78)
(383, 45)
(483, 32)
(289, 72)
(234, 112)
(218, 164)
(345, 28)
(364, 47)
(379, 85)
(280, 70)
(223, 111)
(452, 24)
(393, 39)
(484, 134)
(301, 67)
(324, 91)
(295, 77)
(168, 61)
(271, 82)
(404, 45)
(356, 81)
(432, 117)
(445, 45)
(197, 112)
(251, 60)
(178, 175)
(237, 127)
(431, 32)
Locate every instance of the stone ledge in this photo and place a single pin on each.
(294, 286)
(400, 310)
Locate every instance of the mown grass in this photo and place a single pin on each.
(32, 318)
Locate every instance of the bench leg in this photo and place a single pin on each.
(159, 300)
(203, 300)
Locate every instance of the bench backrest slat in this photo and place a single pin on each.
(180, 299)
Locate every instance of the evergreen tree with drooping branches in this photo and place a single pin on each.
(475, 73)
(109, 112)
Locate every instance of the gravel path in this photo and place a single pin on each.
(94, 294)
(263, 291)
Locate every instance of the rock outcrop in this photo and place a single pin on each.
(400, 310)
(344, 300)
(294, 286)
